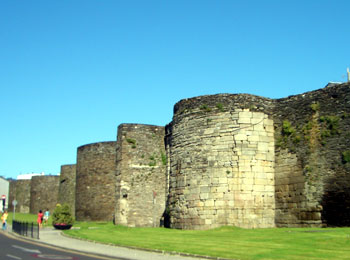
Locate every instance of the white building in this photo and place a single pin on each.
(29, 176)
(4, 193)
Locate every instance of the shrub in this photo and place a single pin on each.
(287, 128)
(131, 141)
(62, 215)
(315, 106)
(220, 106)
(205, 108)
(331, 123)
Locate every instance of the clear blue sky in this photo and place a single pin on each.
(71, 71)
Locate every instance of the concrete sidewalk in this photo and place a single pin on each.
(53, 237)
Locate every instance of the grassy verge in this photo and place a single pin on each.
(227, 242)
(26, 218)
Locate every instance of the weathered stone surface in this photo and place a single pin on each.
(20, 191)
(141, 175)
(222, 147)
(66, 192)
(95, 182)
(311, 184)
(236, 160)
(279, 156)
(43, 193)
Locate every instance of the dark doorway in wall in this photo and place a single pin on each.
(336, 201)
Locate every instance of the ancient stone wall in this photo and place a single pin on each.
(66, 192)
(20, 191)
(95, 182)
(221, 151)
(43, 193)
(237, 160)
(312, 177)
(141, 172)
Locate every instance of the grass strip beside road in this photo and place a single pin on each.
(227, 242)
(24, 217)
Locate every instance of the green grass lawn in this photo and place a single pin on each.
(227, 242)
(26, 218)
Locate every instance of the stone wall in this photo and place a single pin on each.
(95, 182)
(237, 160)
(221, 171)
(140, 185)
(43, 193)
(230, 153)
(20, 191)
(66, 192)
(312, 181)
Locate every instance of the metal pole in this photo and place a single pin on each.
(38, 232)
(348, 71)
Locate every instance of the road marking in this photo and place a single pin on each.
(54, 257)
(27, 249)
(14, 257)
(65, 250)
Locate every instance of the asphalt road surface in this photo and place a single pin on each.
(19, 249)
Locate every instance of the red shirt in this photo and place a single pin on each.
(40, 216)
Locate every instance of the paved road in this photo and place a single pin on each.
(18, 249)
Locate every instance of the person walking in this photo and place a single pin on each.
(4, 220)
(40, 218)
(46, 216)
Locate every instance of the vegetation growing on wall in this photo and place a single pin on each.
(345, 115)
(331, 124)
(132, 142)
(152, 161)
(220, 106)
(287, 129)
(164, 158)
(205, 108)
(288, 133)
(315, 106)
(346, 156)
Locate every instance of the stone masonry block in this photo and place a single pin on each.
(241, 137)
(259, 127)
(245, 114)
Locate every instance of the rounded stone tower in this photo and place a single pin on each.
(221, 172)
(95, 182)
(43, 193)
(66, 192)
(141, 172)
